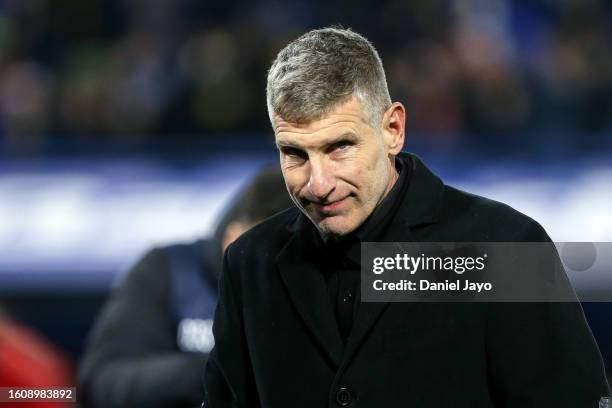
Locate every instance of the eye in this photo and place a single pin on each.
(294, 153)
(341, 146)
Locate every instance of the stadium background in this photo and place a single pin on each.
(128, 123)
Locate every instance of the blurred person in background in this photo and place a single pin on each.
(151, 339)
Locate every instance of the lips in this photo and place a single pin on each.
(329, 207)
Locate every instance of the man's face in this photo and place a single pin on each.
(337, 169)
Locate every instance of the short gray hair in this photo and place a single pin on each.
(323, 68)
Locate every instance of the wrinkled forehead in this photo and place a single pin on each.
(317, 136)
(347, 117)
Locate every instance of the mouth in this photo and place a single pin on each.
(329, 207)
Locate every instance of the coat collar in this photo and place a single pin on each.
(421, 203)
(306, 285)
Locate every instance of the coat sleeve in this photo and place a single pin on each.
(542, 354)
(228, 377)
(132, 358)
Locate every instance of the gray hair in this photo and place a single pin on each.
(322, 69)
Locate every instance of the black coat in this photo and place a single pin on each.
(278, 345)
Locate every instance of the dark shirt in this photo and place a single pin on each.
(341, 258)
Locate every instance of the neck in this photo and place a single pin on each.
(393, 177)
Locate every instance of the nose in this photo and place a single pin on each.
(321, 180)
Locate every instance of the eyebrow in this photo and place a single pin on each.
(349, 136)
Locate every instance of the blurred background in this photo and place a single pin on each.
(129, 123)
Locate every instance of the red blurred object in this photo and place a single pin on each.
(27, 360)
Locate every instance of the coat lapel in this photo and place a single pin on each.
(308, 292)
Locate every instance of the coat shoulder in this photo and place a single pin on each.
(267, 237)
(484, 219)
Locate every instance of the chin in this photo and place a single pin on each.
(335, 228)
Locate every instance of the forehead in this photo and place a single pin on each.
(343, 119)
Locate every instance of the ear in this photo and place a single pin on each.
(393, 125)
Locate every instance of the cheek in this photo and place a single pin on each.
(293, 181)
(371, 179)
(361, 177)
(360, 174)
(358, 168)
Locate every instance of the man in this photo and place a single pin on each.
(150, 342)
(290, 329)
